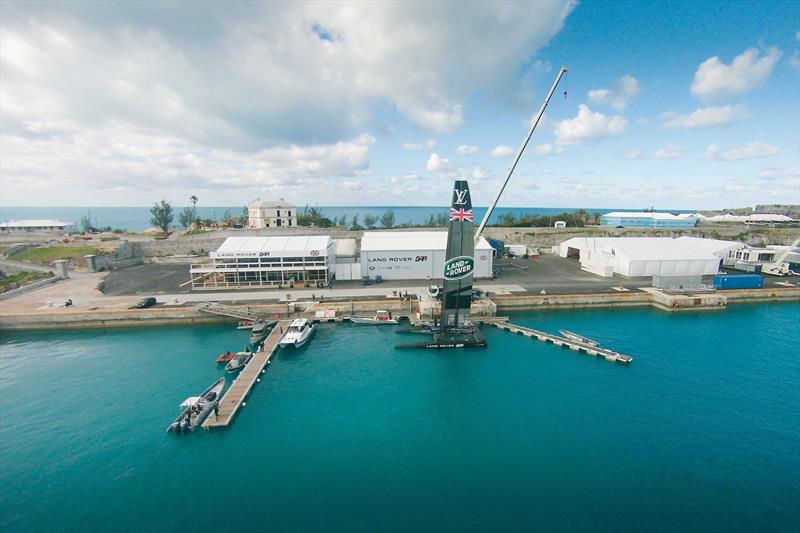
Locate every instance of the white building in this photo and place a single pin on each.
(261, 214)
(755, 219)
(31, 226)
(414, 255)
(647, 219)
(645, 256)
(243, 262)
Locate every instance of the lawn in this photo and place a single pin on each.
(45, 255)
(23, 278)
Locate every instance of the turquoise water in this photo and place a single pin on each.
(700, 433)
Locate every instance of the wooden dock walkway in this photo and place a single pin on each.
(231, 311)
(588, 349)
(233, 399)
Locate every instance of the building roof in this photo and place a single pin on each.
(391, 241)
(34, 223)
(713, 246)
(645, 214)
(259, 203)
(758, 217)
(643, 248)
(273, 246)
(345, 247)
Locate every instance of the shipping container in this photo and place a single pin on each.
(738, 281)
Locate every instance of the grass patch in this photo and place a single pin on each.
(21, 279)
(45, 255)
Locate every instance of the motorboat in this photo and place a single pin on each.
(260, 332)
(239, 361)
(195, 409)
(245, 324)
(297, 333)
(381, 317)
(578, 338)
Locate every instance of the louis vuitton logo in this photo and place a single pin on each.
(461, 196)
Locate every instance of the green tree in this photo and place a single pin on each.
(161, 215)
(387, 219)
(370, 220)
(354, 225)
(187, 216)
(507, 219)
(86, 224)
(193, 201)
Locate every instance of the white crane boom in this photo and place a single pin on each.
(777, 268)
(519, 154)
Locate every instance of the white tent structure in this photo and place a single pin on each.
(634, 256)
(414, 255)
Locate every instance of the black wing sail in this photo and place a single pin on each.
(460, 259)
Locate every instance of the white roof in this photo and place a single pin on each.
(258, 202)
(713, 246)
(296, 246)
(34, 223)
(391, 241)
(758, 217)
(642, 248)
(643, 214)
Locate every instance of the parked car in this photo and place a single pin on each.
(144, 303)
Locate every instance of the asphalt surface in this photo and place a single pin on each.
(551, 273)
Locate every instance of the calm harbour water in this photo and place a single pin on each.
(138, 218)
(700, 433)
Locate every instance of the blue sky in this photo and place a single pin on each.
(674, 105)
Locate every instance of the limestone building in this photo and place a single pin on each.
(261, 214)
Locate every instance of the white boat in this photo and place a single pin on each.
(297, 333)
(578, 338)
(381, 317)
(245, 324)
(239, 361)
(195, 409)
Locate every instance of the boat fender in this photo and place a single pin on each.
(244, 404)
(258, 380)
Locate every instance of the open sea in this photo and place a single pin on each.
(138, 218)
(700, 433)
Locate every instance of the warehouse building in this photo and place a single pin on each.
(643, 219)
(247, 262)
(37, 226)
(414, 255)
(645, 256)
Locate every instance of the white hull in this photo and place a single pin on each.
(363, 320)
(297, 339)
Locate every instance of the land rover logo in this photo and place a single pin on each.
(458, 267)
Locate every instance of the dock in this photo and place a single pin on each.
(596, 351)
(234, 398)
(231, 311)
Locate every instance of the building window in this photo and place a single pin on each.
(279, 212)
(289, 214)
(278, 222)
(290, 221)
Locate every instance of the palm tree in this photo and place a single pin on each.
(193, 200)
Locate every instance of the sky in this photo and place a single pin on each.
(673, 105)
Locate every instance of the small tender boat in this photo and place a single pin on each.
(195, 409)
(225, 357)
(245, 324)
(297, 333)
(239, 361)
(381, 317)
(260, 332)
(578, 338)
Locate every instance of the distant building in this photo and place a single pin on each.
(559, 224)
(38, 226)
(261, 214)
(757, 219)
(643, 219)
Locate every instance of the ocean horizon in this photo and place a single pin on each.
(138, 218)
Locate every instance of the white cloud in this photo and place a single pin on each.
(772, 173)
(437, 164)
(466, 149)
(405, 178)
(746, 151)
(413, 147)
(501, 151)
(625, 88)
(704, 117)
(353, 185)
(715, 80)
(548, 149)
(635, 154)
(668, 152)
(588, 126)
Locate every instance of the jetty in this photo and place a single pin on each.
(230, 403)
(596, 351)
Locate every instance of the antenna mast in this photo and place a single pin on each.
(519, 154)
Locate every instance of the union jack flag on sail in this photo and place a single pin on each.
(461, 214)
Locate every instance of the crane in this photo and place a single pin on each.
(488, 214)
(779, 267)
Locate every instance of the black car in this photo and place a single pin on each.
(144, 303)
